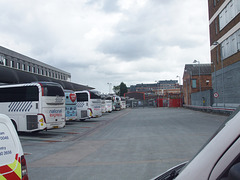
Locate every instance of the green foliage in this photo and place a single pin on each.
(116, 89)
(120, 89)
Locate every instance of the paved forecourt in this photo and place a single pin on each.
(130, 144)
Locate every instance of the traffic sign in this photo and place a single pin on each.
(216, 95)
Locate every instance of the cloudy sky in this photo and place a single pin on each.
(109, 41)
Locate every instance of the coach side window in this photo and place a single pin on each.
(82, 97)
(17, 94)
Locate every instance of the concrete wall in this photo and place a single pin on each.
(203, 98)
(226, 83)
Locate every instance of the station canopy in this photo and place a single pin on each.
(14, 76)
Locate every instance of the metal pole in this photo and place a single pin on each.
(215, 77)
(109, 84)
(223, 83)
(199, 78)
(200, 89)
(187, 92)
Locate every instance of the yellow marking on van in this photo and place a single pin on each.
(16, 167)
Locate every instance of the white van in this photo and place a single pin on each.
(219, 158)
(12, 161)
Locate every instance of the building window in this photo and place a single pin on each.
(6, 62)
(33, 69)
(12, 64)
(18, 65)
(24, 67)
(194, 83)
(231, 45)
(228, 13)
(29, 68)
(2, 60)
(238, 40)
(207, 82)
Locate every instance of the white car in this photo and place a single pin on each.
(219, 158)
(12, 161)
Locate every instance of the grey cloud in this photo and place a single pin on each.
(128, 47)
(35, 32)
(133, 37)
(163, 2)
(108, 6)
(150, 31)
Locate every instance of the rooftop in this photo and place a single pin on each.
(193, 69)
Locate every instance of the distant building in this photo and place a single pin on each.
(224, 24)
(135, 95)
(160, 87)
(165, 93)
(196, 78)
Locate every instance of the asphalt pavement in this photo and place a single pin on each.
(130, 144)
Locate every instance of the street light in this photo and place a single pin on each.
(179, 79)
(180, 89)
(186, 100)
(158, 89)
(200, 89)
(216, 44)
(110, 84)
(195, 61)
(214, 67)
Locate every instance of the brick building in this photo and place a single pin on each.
(224, 25)
(166, 93)
(196, 78)
(159, 88)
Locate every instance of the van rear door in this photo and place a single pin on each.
(11, 153)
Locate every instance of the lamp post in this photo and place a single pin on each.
(199, 76)
(186, 92)
(214, 67)
(195, 61)
(215, 44)
(158, 89)
(180, 90)
(179, 79)
(109, 84)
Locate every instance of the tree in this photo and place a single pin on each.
(116, 89)
(120, 89)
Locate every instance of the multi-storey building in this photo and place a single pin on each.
(159, 87)
(165, 88)
(161, 94)
(18, 68)
(224, 24)
(18, 61)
